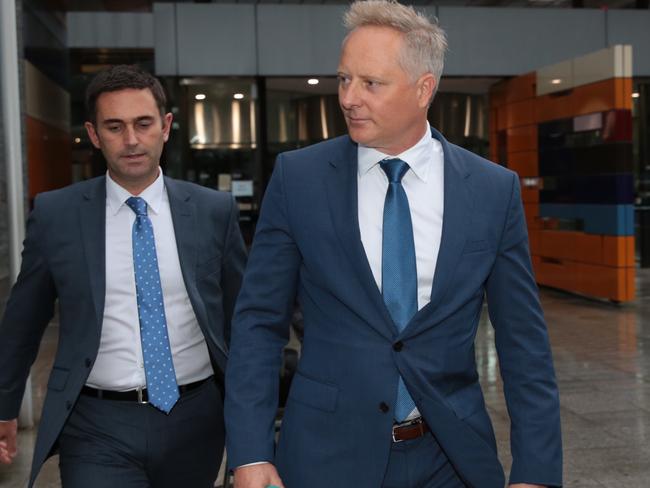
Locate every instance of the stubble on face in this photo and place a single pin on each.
(382, 105)
(130, 132)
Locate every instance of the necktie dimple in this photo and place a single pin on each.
(398, 265)
(158, 365)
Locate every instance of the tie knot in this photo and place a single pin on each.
(395, 169)
(138, 205)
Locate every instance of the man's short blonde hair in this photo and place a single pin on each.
(425, 41)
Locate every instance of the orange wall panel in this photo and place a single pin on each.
(520, 88)
(520, 113)
(618, 251)
(623, 93)
(589, 248)
(524, 163)
(502, 117)
(49, 153)
(594, 97)
(522, 138)
(530, 195)
(553, 106)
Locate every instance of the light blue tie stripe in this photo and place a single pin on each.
(162, 388)
(398, 265)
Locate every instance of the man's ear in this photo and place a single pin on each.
(92, 134)
(426, 87)
(167, 125)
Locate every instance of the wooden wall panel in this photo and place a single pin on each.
(522, 138)
(49, 152)
(524, 163)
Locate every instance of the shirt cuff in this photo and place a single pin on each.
(252, 464)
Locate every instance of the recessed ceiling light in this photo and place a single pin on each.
(200, 96)
(635, 95)
(313, 81)
(238, 96)
(77, 140)
(556, 81)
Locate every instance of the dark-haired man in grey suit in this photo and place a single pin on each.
(146, 270)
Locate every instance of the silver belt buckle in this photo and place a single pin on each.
(141, 399)
(406, 423)
(393, 433)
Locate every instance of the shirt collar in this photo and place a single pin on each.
(116, 196)
(418, 157)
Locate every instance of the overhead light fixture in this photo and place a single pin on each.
(238, 96)
(77, 140)
(635, 95)
(200, 96)
(556, 81)
(313, 81)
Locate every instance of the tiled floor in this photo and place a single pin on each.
(602, 358)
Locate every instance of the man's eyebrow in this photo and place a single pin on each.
(121, 121)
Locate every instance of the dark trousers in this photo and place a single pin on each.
(108, 444)
(420, 463)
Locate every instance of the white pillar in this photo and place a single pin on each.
(13, 158)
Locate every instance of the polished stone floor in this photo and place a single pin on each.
(602, 358)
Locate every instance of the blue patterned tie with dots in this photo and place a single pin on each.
(398, 266)
(162, 388)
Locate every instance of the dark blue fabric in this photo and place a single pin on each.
(420, 463)
(156, 352)
(64, 259)
(398, 265)
(336, 428)
(111, 444)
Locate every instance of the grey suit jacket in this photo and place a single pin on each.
(64, 259)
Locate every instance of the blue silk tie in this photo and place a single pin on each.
(162, 388)
(398, 266)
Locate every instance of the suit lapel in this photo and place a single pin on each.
(458, 203)
(343, 204)
(93, 231)
(184, 219)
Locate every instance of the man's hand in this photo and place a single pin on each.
(257, 476)
(8, 448)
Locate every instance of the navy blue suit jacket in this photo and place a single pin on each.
(64, 259)
(336, 430)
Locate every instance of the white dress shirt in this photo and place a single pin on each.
(119, 365)
(424, 187)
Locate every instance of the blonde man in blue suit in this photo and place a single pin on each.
(390, 238)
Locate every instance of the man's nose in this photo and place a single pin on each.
(349, 95)
(130, 137)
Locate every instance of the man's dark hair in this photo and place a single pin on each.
(122, 77)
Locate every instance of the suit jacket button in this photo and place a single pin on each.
(383, 407)
(88, 362)
(398, 346)
(68, 405)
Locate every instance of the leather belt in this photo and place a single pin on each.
(409, 430)
(138, 395)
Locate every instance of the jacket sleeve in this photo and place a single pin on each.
(232, 268)
(524, 354)
(260, 330)
(28, 311)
